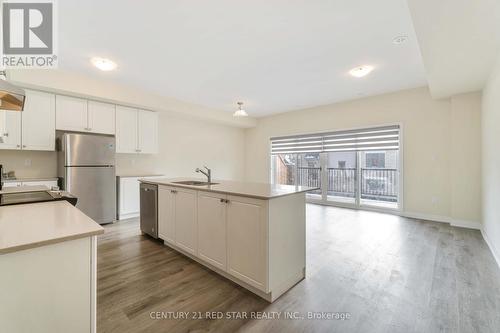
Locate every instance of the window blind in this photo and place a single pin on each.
(377, 138)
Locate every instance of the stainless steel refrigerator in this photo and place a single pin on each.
(86, 169)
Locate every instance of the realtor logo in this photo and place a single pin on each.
(28, 34)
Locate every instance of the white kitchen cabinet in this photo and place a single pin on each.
(166, 222)
(136, 131)
(101, 117)
(71, 114)
(185, 219)
(247, 240)
(257, 243)
(81, 115)
(38, 121)
(212, 228)
(32, 129)
(129, 197)
(177, 217)
(147, 133)
(10, 122)
(126, 130)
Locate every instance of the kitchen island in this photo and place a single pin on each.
(251, 233)
(48, 268)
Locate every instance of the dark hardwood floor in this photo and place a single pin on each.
(390, 274)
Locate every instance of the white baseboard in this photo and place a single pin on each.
(493, 250)
(444, 219)
(127, 216)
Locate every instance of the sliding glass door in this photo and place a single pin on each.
(351, 168)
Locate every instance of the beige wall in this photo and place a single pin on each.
(491, 161)
(431, 133)
(29, 164)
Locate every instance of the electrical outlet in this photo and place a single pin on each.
(27, 162)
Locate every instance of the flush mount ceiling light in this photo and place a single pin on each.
(240, 112)
(361, 71)
(400, 39)
(103, 64)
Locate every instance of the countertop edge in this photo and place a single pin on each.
(35, 245)
(197, 188)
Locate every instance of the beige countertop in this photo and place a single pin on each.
(32, 225)
(139, 175)
(247, 189)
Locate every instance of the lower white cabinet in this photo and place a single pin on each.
(247, 240)
(129, 199)
(225, 231)
(212, 228)
(257, 243)
(10, 129)
(177, 217)
(166, 222)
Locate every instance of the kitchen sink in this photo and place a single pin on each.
(194, 183)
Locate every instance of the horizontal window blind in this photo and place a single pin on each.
(378, 138)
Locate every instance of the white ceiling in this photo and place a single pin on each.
(459, 40)
(275, 56)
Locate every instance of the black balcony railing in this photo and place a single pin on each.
(379, 184)
(307, 176)
(342, 182)
(376, 184)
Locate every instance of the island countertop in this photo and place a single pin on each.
(248, 189)
(37, 224)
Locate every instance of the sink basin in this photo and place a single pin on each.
(194, 183)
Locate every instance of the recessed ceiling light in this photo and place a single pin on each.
(400, 39)
(361, 71)
(240, 112)
(103, 64)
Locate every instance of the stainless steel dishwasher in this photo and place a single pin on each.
(149, 209)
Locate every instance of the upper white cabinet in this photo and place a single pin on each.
(81, 115)
(39, 121)
(126, 130)
(101, 117)
(71, 114)
(32, 129)
(147, 141)
(10, 122)
(136, 131)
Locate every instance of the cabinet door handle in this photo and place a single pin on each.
(222, 200)
(18, 146)
(6, 134)
(173, 191)
(227, 201)
(24, 146)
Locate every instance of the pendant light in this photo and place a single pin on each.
(240, 112)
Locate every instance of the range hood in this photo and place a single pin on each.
(11, 97)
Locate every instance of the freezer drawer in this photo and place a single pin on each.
(95, 189)
(149, 209)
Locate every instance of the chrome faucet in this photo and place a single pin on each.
(208, 173)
